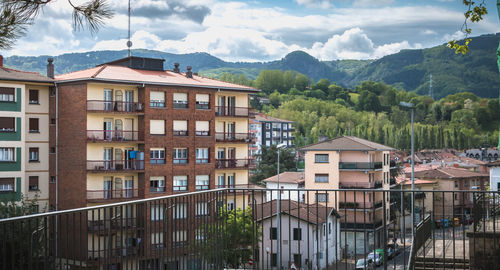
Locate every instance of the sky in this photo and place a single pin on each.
(259, 30)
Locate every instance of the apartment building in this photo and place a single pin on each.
(129, 129)
(24, 135)
(269, 131)
(352, 163)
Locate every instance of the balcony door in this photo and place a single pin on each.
(118, 193)
(108, 158)
(128, 127)
(118, 100)
(221, 103)
(231, 156)
(108, 129)
(119, 129)
(108, 99)
(221, 180)
(231, 105)
(129, 188)
(107, 188)
(231, 129)
(128, 160)
(118, 159)
(129, 100)
(230, 180)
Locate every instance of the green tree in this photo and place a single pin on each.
(288, 79)
(268, 163)
(270, 80)
(322, 85)
(301, 81)
(234, 237)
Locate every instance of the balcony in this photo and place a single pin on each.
(113, 136)
(112, 194)
(360, 205)
(356, 185)
(114, 165)
(232, 111)
(233, 163)
(234, 137)
(111, 225)
(114, 106)
(360, 166)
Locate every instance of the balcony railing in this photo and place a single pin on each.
(360, 165)
(231, 111)
(360, 205)
(113, 135)
(233, 137)
(114, 106)
(110, 194)
(347, 185)
(233, 163)
(219, 226)
(115, 165)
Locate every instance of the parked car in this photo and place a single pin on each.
(364, 264)
(376, 257)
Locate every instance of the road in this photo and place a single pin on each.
(396, 263)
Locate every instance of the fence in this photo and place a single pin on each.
(243, 228)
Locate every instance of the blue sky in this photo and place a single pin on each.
(260, 30)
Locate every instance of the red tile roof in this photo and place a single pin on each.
(287, 177)
(448, 173)
(121, 74)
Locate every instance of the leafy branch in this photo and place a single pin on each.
(475, 12)
(18, 15)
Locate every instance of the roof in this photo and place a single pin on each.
(266, 118)
(448, 173)
(493, 164)
(287, 177)
(19, 75)
(122, 74)
(348, 143)
(418, 182)
(312, 213)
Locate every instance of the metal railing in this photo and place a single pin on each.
(115, 165)
(233, 137)
(112, 194)
(114, 106)
(113, 135)
(373, 184)
(237, 228)
(360, 165)
(233, 163)
(231, 111)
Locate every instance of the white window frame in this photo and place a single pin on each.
(180, 183)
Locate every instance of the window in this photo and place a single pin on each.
(297, 259)
(157, 212)
(268, 134)
(456, 184)
(321, 158)
(52, 179)
(33, 97)
(6, 184)
(180, 100)
(179, 238)
(7, 124)
(201, 155)
(329, 228)
(321, 178)
(157, 127)
(202, 128)
(33, 183)
(180, 155)
(157, 184)
(268, 125)
(33, 125)
(180, 211)
(157, 240)
(52, 150)
(202, 182)
(274, 261)
(7, 94)
(297, 234)
(180, 128)
(157, 99)
(180, 183)
(52, 121)
(203, 101)
(323, 197)
(201, 209)
(7, 154)
(157, 156)
(33, 154)
(455, 196)
(273, 233)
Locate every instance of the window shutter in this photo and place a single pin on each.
(6, 91)
(33, 96)
(202, 98)
(34, 124)
(202, 125)
(7, 124)
(180, 125)
(157, 127)
(180, 97)
(157, 96)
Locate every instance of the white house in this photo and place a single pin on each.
(494, 175)
(310, 235)
(289, 183)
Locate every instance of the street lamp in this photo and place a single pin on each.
(411, 106)
(278, 246)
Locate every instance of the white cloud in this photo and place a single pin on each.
(324, 4)
(455, 36)
(372, 3)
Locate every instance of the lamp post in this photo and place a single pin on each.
(278, 244)
(411, 106)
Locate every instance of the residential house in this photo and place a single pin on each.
(349, 162)
(25, 127)
(290, 183)
(269, 131)
(310, 235)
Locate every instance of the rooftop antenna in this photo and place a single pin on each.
(431, 93)
(129, 43)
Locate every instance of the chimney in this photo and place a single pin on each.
(176, 68)
(1, 60)
(50, 68)
(189, 74)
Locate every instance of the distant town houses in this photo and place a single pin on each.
(269, 131)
